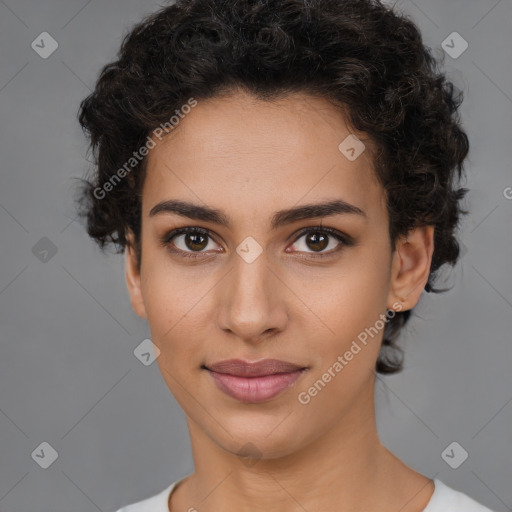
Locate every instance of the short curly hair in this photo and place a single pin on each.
(360, 55)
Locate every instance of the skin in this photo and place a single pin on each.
(251, 158)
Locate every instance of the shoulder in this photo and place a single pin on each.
(446, 499)
(156, 503)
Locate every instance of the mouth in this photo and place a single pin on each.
(254, 382)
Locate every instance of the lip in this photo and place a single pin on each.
(261, 368)
(254, 382)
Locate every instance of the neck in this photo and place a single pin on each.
(348, 461)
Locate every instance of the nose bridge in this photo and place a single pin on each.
(250, 296)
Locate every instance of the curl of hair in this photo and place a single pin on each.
(362, 56)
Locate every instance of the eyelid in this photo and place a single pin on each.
(343, 239)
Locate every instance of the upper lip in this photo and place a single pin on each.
(241, 368)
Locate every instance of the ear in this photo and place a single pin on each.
(133, 279)
(410, 268)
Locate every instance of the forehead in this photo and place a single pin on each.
(254, 155)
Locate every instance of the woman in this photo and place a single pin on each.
(281, 176)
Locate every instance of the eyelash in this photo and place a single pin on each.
(346, 241)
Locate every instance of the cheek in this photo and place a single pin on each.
(172, 301)
(171, 320)
(345, 359)
(352, 304)
(356, 295)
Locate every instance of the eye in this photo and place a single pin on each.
(318, 239)
(194, 239)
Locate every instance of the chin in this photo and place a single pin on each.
(268, 442)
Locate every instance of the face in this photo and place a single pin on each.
(306, 290)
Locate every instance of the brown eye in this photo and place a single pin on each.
(187, 241)
(318, 239)
(193, 242)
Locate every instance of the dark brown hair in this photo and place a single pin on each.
(362, 56)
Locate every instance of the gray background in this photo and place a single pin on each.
(68, 374)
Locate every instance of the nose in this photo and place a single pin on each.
(252, 301)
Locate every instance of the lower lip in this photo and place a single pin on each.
(254, 389)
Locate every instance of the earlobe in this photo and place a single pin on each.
(411, 268)
(133, 279)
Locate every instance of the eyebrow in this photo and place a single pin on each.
(280, 218)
